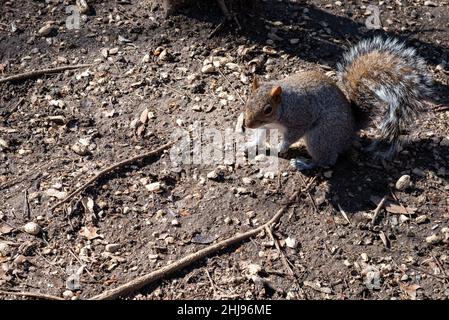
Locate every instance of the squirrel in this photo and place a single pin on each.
(380, 79)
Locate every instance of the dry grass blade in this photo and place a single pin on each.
(31, 295)
(37, 73)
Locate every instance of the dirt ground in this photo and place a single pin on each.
(149, 78)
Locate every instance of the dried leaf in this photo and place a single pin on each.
(5, 229)
(384, 239)
(392, 207)
(184, 213)
(89, 232)
(410, 290)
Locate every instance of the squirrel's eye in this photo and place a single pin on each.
(268, 109)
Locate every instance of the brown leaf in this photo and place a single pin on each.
(5, 229)
(89, 232)
(410, 290)
(392, 207)
(184, 213)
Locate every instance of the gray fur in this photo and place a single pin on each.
(392, 102)
(314, 107)
(317, 111)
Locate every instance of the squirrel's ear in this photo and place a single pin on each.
(255, 84)
(275, 92)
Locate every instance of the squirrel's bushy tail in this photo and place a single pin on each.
(388, 81)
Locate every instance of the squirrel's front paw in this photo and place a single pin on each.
(302, 165)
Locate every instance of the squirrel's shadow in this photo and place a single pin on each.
(322, 37)
(357, 176)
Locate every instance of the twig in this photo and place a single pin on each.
(33, 171)
(112, 168)
(177, 91)
(10, 112)
(440, 266)
(217, 28)
(30, 294)
(37, 73)
(308, 193)
(428, 273)
(82, 264)
(142, 281)
(212, 284)
(215, 288)
(278, 247)
(227, 14)
(232, 86)
(378, 208)
(402, 206)
(26, 205)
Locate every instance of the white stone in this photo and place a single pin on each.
(403, 182)
(32, 228)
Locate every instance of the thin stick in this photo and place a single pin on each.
(278, 247)
(112, 168)
(151, 277)
(217, 28)
(440, 266)
(378, 208)
(177, 91)
(26, 206)
(10, 112)
(30, 294)
(232, 86)
(37, 73)
(428, 273)
(212, 284)
(82, 264)
(308, 193)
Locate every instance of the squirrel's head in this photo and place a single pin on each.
(262, 105)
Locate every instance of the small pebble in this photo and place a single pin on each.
(212, 175)
(208, 68)
(364, 257)
(32, 228)
(291, 243)
(67, 294)
(4, 249)
(403, 182)
(112, 247)
(433, 239)
(421, 219)
(154, 187)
